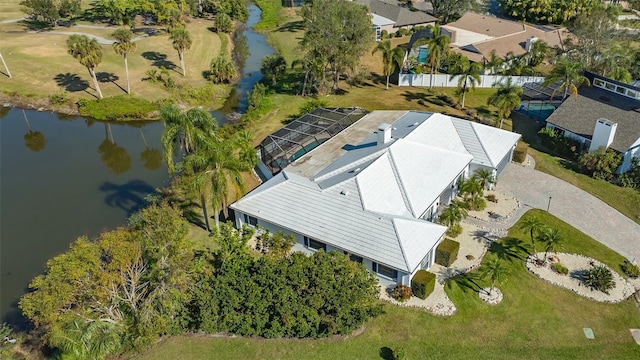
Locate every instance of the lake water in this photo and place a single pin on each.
(64, 179)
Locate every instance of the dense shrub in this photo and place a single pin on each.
(559, 268)
(447, 252)
(401, 293)
(384, 34)
(423, 283)
(492, 198)
(520, 152)
(59, 98)
(632, 270)
(454, 230)
(118, 108)
(547, 12)
(476, 203)
(599, 278)
(600, 164)
(399, 353)
(311, 105)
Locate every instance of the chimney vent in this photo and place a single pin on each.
(384, 133)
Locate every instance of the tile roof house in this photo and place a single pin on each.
(393, 15)
(476, 35)
(373, 190)
(605, 114)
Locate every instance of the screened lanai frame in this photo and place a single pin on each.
(304, 134)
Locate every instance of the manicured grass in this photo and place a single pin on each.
(41, 66)
(625, 200)
(535, 320)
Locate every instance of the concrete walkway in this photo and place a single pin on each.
(573, 205)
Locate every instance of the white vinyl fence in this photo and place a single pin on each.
(443, 80)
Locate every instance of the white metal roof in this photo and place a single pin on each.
(381, 20)
(369, 200)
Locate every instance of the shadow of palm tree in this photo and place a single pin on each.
(386, 353)
(105, 77)
(484, 237)
(465, 282)
(509, 248)
(292, 26)
(129, 196)
(159, 60)
(71, 82)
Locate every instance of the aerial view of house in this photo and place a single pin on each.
(373, 191)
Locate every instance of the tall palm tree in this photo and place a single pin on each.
(391, 58)
(184, 131)
(124, 46)
(88, 52)
(438, 47)
(570, 75)
(485, 177)
(532, 225)
(506, 98)
(539, 51)
(273, 65)
(93, 340)
(552, 240)
(34, 140)
(5, 65)
(615, 61)
(495, 271)
(181, 40)
(468, 74)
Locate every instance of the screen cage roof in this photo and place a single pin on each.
(304, 134)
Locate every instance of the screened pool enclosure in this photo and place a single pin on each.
(304, 134)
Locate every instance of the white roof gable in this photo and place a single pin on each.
(380, 190)
(413, 241)
(438, 131)
(495, 142)
(425, 172)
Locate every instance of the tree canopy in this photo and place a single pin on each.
(51, 10)
(547, 11)
(337, 34)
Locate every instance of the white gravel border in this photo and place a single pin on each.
(577, 263)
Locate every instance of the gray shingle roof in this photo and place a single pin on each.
(579, 115)
(398, 12)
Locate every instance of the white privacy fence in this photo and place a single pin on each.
(444, 80)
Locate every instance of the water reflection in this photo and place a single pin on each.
(115, 157)
(151, 158)
(34, 140)
(128, 196)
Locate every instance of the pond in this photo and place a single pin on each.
(63, 178)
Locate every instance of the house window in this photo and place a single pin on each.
(609, 86)
(621, 90)
(598, 82)
(356, 258)
(387, 271)
(314, 244)
(426, 262)
(250, 220)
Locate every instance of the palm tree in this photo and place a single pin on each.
(472, 187)
(506, 98)
(615, 61)
(454, 213)
(391, 58)
(533, 225)
(181, 40)
(5, 65)
(273, 65)
(569, 73)
(495, 271)
(89, 52)
(468, 74)
(124, 46)
(438, 47)
(115, 157)
(34, 140)
(184, 131)
(551, 239)
(538, 53)
(484, 177)
(93, 340)
(494, 62)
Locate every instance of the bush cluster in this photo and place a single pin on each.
(558, 268)
(401, 293)
(423, 283)
(447, 252)
(119, 108)
(630, 269)
(599, 278)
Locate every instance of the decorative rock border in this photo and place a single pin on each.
(490, 296)
(576, 263)
(439, 308)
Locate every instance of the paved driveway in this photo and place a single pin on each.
(575, 206)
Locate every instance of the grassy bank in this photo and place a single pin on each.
(41, 66)
(535, 320)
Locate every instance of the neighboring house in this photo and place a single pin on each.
(373, 190)
(475, 36)
(392, 15)
(605, 114)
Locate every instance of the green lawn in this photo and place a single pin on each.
(535, 321)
